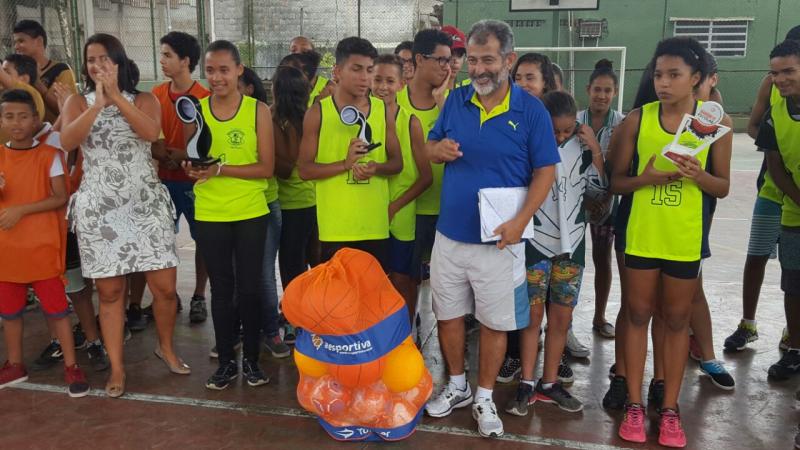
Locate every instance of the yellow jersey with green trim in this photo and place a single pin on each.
(319, 86)
(428, 202)
(403, 225)
(670, 221)
(787, 135)
(769, 190)
(349, 209)
(235, 142)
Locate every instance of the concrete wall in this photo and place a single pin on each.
(639, 25)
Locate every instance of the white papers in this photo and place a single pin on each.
(499, 205)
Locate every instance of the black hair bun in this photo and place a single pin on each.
(604, 64)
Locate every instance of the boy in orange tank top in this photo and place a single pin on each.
(33, 192)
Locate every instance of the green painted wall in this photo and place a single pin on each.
(639, 25)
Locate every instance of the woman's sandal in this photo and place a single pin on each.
(115, 390)
(181, 369)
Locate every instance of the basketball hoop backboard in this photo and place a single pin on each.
(552, 5)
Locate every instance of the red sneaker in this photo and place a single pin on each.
(670, 432)
(12, 374)
(77, 386)
(632, 427)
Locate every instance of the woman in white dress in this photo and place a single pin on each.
(121, 213)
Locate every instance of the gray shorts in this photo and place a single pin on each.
(479, 278)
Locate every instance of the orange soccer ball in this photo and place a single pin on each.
(419, 394)
(371, 405)
(357, 375)
(305, 387)
(330, 399)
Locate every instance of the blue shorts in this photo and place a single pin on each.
(401, 256)
(182, 193)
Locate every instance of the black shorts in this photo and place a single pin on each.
(73, 260)
(423, 243)
(378, 248)
(684, 270)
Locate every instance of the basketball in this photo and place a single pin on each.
(330, 399)
(346, 295)
(358, 375)
(402, 413)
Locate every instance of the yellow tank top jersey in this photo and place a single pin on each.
(403, 224)
(234, 141)
(428, 202)
(671, 221)
(348, 209)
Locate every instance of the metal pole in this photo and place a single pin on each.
(76, 36)
(153, 36)
(623, 67)
(250, 33)
(358, 2)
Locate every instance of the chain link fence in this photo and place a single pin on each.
(261, 28)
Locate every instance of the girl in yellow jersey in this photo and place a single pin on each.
(665, 212)
(405, 187)
(232, 213)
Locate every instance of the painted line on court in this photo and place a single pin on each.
(294, 412)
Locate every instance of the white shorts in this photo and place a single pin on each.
(479, 278)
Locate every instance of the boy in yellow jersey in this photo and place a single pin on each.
(458, 51)
(405, 187)
(351, 181)
(424, 96)
(765, 226)
(321, 87)
(779, 136)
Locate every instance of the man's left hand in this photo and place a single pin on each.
(510, 233)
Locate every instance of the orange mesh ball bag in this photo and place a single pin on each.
(343, 296)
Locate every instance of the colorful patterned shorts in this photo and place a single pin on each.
(556, 280)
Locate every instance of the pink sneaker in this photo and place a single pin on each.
(694, 349)
(632, 427)
(670, 432)
(12, 374)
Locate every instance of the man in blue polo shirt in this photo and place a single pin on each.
(490, 134)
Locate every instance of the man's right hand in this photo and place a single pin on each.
(447, 150)
(356, 151)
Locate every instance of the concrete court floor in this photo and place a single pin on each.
(162, 410)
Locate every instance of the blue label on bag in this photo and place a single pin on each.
(360, 433)
(359, 348)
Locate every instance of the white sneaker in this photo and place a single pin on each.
(489, 423)
(448, 399)
(574, 348)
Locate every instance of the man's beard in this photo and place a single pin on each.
(496, 80)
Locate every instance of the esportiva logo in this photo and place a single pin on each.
(353, 348)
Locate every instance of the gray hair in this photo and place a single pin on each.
(481, 30)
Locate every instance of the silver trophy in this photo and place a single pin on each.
(351, 115)
(199, 144)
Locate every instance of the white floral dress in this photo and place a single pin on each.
(121, 214)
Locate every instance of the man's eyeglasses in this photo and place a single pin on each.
(406, 60)
(442, 60)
